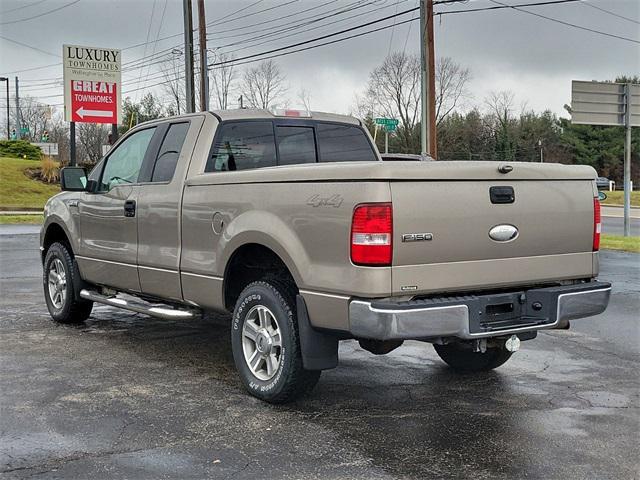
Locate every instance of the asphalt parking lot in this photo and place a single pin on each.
(128, 396)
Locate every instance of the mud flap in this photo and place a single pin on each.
(319, 350)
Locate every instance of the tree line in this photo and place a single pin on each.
(468, 128)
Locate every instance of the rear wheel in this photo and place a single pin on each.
(59, 281)
(462, 358)
(266, 345)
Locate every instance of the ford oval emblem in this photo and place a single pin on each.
(503, 233)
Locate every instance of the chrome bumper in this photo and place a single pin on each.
(474, 316)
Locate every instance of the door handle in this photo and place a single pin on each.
(130, 208)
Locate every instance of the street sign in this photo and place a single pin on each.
(387, 121)
(601, 103)
(390, 127)
(92, 81)
(50, 149)
(617, 104)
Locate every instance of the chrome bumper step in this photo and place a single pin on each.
(139, 307)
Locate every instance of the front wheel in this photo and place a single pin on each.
(462, 358)
(266, 345)
(59, 281)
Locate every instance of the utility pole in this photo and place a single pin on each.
(6, 79)
(18, 116)
(428, 139)
(188, 55)
(627, 161)
(204, 69)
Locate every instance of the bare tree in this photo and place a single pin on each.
(393, 91)
(451, 83)
(264, 85)
(34, 116)
(91, 137)
(173, 84)
(223, 78)
(304, 96)
(500, 106)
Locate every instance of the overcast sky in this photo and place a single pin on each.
(504, 49)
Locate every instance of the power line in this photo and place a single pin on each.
(589, 4)
(29, 46)
(40, 14)
(23, 6)
(567, 23)
(346, 30)
(153, 11)
(244, 42)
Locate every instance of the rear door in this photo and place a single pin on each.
(108, 223)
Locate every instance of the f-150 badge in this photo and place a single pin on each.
(417, 237)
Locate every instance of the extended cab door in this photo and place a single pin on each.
(159, 204)
(108, 216)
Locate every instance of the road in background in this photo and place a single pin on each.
(615, 226)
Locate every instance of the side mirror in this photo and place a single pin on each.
(602, 196)
(73, 179)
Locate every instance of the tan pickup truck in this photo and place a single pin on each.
(293, 223)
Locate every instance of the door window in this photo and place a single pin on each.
(296, 145)
(242, 146)
(343, 143)
(169, 152)
(123, 165)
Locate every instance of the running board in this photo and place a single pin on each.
(160, 312)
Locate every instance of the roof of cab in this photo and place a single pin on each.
(246, 114)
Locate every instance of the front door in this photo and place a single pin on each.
(159, 201)
(108, 216)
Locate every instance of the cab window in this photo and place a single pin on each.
(343, 143)
(123, 165)
(169, 152)
(242, 146)
(296, 145)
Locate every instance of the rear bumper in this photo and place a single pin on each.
(477, 316)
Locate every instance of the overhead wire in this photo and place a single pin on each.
(569, 24)
(589, 4)
(40, 14)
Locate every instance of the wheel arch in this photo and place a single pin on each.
(249, 262)
(53, 232)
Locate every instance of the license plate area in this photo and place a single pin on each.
(505, 311)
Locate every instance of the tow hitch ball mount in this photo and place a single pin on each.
(512, 344)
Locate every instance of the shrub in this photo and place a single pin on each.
(49, 171)
(20, 149)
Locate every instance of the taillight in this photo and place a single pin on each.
(371, 234)
(597, 224)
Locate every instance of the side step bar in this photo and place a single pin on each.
(160, 312)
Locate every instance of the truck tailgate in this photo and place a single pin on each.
(452, 219)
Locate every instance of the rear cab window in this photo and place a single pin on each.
(250, 144)
(243, 145)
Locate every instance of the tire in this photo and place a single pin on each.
(266, 344)
(60, 280)
(462, 358)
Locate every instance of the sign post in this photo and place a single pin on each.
(390, 125)
(92, 93)
(601, 103)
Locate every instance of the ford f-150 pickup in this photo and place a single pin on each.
(292, 222)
